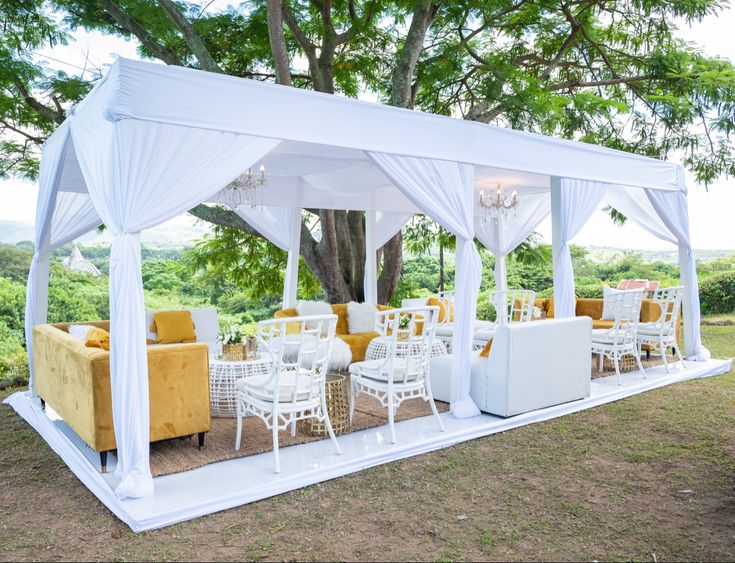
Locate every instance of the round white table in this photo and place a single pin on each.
(223, 374)
(378, 348)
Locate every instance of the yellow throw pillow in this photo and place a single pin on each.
(173, 327)
(486, 350)
(98, 338)
(434, 302)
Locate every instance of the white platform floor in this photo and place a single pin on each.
(235, 482)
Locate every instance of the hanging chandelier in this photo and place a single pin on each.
(498, 203)
(243, 190)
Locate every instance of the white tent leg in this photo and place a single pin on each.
(371, 260)
(291, 279)
(556, 232)
(690, 339)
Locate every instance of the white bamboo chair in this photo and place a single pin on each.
(445, 328)
(661, 334)
(295, 387)
(403, 374)
(621, 339)
(511, 306)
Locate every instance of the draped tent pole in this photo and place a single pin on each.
(291, 279)
(556, 233)
(371, 259)
(501, 274)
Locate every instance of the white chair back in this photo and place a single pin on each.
(513, 305)
(300, 359)
(412, 330)
(626, 308)
(669, 299)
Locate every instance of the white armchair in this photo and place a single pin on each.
(295, 387)
(530, 366)
(661, 334)
(399, 377)
(621, 339)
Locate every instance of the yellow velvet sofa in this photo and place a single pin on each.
(357, 342)
(650, 312)
(75, 381)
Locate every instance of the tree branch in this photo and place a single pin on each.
(278, 42)
(134, 27)
(192, 38)
(37, 106)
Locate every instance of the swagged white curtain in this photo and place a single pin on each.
(75, 216)
(281, 226)
(577, 201)
(380, 227)
(672, 208)
(140, 174)
(444, 190)
(54, 152)
(501, 235)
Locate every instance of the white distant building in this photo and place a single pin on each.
(76, 263)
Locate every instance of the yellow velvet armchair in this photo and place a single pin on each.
(75, 381)
(357, 342)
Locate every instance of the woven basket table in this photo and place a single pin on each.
(378, 348)
(223, 374)
(338, 407)
(627, 363)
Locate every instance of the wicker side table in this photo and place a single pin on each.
(338, 408)
(222, 377)
(378, 349)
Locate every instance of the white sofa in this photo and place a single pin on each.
(531, 366)
(206, 327)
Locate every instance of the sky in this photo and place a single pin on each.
(711, 210)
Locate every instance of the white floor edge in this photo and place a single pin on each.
(171, 503)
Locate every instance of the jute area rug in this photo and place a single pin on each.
(182, 454)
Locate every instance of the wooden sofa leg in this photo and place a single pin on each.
(103, 462)
(201, 439)
(43, 404)
(648, 354)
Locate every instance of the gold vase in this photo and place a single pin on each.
(233, 352)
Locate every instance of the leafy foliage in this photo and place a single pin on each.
(717, 293)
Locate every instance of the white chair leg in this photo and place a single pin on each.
(436, 412)
(640, 366)
(353, 396)
(662, 346)
(328, 422)
(617, 369)
(602, 361)
(391, 419)
(276, 458)
(678, 353)
(293, 427)
(238, 436)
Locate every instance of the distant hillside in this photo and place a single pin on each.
(605, 253)
(12, 232)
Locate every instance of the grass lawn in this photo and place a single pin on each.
(650, 478)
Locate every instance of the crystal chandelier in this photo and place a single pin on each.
(498, 203)
(243, 190)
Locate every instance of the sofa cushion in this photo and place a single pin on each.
(172, 327)
(486, 350)
(358, 343)
(97, 338)
(360, 317)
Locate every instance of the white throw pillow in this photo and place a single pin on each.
(308, 308)
(360, 317)
(607, 306)
(79, 331)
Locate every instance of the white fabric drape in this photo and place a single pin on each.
(673, 210)
(501, 235)
(631, 203)
(444, 190)
(75, 215)
(138, 175)
(573, 203)
(380, 227)
(37, 285)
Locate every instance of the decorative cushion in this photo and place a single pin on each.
(435, 302)
(80, 331)
(309, 308)
(341, 355)
(173, 327)
(371, 370)
(98, 338)
(261, 387)
(607, 305)
(360, 317)
(486, 350)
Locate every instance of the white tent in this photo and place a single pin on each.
(151, 141)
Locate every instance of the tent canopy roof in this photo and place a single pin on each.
(321, 161)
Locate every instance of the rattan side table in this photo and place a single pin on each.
(223, 374)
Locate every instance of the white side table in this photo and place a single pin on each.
(223, 374)
(378, 348)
